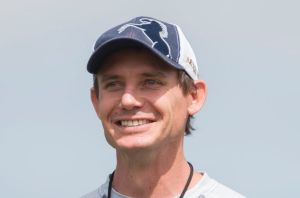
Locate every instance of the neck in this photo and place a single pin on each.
(153, 173)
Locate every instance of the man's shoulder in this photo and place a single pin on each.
(210, 188)
(94, 194)
(223, 191)
(98, 193)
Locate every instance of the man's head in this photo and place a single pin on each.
(146, 61)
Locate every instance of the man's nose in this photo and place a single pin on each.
(130, 101)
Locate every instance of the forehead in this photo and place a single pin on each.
(133, 60)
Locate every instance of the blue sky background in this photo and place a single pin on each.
(247, 135)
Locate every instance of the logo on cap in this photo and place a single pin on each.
(192, 64)
(155, 31)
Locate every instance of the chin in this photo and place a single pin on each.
(135, 142)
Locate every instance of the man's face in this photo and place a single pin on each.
(140, 102)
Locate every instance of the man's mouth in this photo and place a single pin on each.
(132, 123)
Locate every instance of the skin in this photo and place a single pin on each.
(136, 85)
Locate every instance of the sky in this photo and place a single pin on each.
(52, 143)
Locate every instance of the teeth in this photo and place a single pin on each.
(130, 123)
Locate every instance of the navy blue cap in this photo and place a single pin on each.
(164, 39)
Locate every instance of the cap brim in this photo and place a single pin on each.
(111, 46)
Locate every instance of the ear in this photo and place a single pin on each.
(198, 96)
(94, 100)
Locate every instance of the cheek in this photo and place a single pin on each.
(173, 106)
(177, 101)
(105, 105)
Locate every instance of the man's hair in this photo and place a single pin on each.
(185, 82)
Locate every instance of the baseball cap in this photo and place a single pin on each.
(164, 39)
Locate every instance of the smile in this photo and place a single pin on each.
(133, 123)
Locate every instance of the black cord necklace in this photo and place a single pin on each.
(111, 177)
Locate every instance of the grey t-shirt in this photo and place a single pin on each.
(205, 188)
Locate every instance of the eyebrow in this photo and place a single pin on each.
(154, 74)
(106, 77)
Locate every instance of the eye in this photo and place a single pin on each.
(152, 83)
(113, 85)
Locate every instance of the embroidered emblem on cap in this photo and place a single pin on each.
(155, 31)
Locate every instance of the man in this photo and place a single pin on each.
(146, 89)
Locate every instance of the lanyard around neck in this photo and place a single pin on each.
(111, 177)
